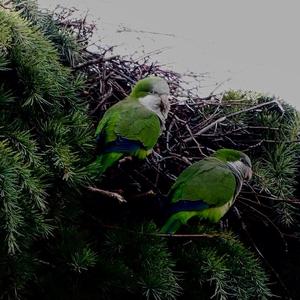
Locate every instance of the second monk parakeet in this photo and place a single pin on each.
(132, 126)
(208, 188)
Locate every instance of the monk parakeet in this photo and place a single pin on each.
(208, 188)
(132, 126)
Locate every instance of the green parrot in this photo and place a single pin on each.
(207, 189)
(132, 126)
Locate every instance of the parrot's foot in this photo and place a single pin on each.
(224, 225)
(108, 194)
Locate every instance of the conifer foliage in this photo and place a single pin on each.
(45, 140)
(61, 241)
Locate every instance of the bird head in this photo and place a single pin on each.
(153, 92)
(238, 161)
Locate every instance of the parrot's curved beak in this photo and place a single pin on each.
(165, 105)
(248, 174)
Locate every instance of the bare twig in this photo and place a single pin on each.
(108, 194)
(267, 263)
(95, 61)
(271, 223)
(201, 235)
(222, 119)
(164, 235)
(145, 195)
(219, 85)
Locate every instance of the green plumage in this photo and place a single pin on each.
(211, 181)
(131, 120)
(104, 161)
(129, 128)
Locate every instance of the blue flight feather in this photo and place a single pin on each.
(122, 145)
(187, 205)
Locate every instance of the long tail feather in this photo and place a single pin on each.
(171, 226)
(103, 162)
(171, 209)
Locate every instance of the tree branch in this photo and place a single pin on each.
(222, 119)
(108, 194)
(94, 61)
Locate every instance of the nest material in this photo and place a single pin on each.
(196, 126)
(256, 124)
(259, 125)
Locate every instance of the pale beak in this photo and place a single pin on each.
(165, 105)
(248, 174)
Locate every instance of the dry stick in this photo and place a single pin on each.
(271, 223)
(254, 202)
(158, 170)
(126, 29)
(150, 193)
(219, 85)
(296, 201)
(104, 98)
(244, 227)
(253, 190)
(228, 116)
(255, 145)
(178, 157)
(274, 141)
(124, 76)
(196, 235)
(194, 139)
(108, 194)
(146, 180)
(94, 61)
(166, 235)
(240, 129)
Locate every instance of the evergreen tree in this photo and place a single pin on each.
(45, 141)
(220, 267)
(274, 132)
(61, 241)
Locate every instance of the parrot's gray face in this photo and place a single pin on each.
(158, 103)
(247, 172)
(164, 105)
(156, 98)
(160, 89)
(247, 167)
(242, 168)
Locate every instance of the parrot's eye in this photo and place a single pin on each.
(244, 161)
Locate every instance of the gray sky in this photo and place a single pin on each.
(255, 43)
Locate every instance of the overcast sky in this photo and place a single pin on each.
(254, 43)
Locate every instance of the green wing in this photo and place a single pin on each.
(131, 120)
(208, 180)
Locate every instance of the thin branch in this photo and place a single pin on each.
(165, 235)
(222, 119)
(267, 263)
(108, 194)
(273, 198)
(219, 85)
(149, 194)
(95, 61)
(271, 223)
(254, 202)
(200, 235)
